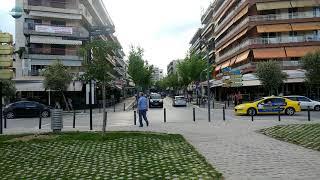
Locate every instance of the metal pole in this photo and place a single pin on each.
(224, 113)
(90, 86)
(5, 121)
(135, 117)
(309, 116)
(40, 119)
(252, 117)
(74, 119)
(165, 115)
(114, 105)
(124, 107)
(1, 128)
(194, 115)
(208, 83)
(279, 114)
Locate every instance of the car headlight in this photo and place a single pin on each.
(239, 107)
(151, 100)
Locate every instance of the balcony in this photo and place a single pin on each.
(283, 40)
(286, 16)
(59, 4)
(54, 51)
(44, 29)
(244, 44)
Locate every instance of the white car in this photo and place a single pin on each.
(305, 102)
(179, 101)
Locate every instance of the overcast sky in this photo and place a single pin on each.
(162, 27)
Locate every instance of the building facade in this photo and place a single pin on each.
(157, 74)
(172, 67)
(247, 32)
(51, 30)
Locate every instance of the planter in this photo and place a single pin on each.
(56, 120)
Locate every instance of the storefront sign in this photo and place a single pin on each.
(54, 29)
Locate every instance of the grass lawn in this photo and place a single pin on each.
(118, 155)
(307, 135)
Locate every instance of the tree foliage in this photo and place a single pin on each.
(99, 68)
(191, 68)
(140, 72)
(311, 63)
(57, 77)
(270, 75)
(8, 88)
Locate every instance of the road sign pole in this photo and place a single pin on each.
(1, 128)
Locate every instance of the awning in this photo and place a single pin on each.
(243, 12)
(273, 5)
(53, 40)
(56, 15)
(242, 33)
(274, 28)
(305, 26)
(268, 53)
(243, 56)
(233, 61)
(301, 51)
(38, 86)
(225, 64)
(218, 68)
(305, 3)
(225, 10)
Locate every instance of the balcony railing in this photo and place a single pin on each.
(234, 29)
(58, 30)
(54, 51)
(286, 16)
(234, 50)
(280, 40)
(61, 4)
(219, 26)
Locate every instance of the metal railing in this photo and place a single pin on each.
(53, 4)
(54, 51)
(52, 29)
(279, 40)
(286, 16)
(234, 50)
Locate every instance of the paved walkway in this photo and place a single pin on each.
(239, 152)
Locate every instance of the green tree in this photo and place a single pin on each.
(140, 72)
(99, 68)
(311, 63)
(57, 77)
(270, 75)
(8, 88)
(190, 69)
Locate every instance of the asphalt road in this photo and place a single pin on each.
(155, 115)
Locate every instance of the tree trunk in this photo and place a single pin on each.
(104, 107)
(65, 101)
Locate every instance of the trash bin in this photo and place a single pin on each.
(56, 120)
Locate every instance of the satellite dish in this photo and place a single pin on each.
(16, 12)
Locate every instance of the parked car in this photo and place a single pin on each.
(155, 100)
(26, 109)
(305, 102)
(269, 105)
(179, 101)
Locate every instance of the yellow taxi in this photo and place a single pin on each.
(269, 105)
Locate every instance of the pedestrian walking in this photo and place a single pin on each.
(142, 109)
(240, 98)
(235, 99)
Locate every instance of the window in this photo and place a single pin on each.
(35, 2)
(57, 49)
(316, 11)
(293, 13)
(304, 99)
(58, 23)
(293, 98)
(293, 33)
(18, 105)
(30, 104)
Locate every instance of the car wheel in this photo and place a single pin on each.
(10, 115)
(45, 114)
(252, 112)
(290, 111)
(317, 108)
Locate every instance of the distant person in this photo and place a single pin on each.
(240, 98)
(235, 99)
(142, 109)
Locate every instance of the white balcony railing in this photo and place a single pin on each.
(286, 16)
(280, 40)
(234, 50)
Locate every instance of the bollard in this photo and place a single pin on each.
(135, 117)
(225, 104)
(224, 113)
(99, 108)
(228, 102)
(114, 107)
(74, 119)
(124, 107)
(5, 121)
(279, 114)
(40, 119)
(194, 114)
(165, 115)
(252, 117)
(309, 116)
(213, 104)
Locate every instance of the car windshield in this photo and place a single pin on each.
(155, 96)
(179, 98)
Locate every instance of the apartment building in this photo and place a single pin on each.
(250, 31)
(157, 74)
(56, 29)
(172, 67)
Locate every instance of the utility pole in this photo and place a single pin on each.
(208, 82)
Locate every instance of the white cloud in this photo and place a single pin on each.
(163, 27)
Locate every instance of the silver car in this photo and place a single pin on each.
(305, 102)
(179, 101)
